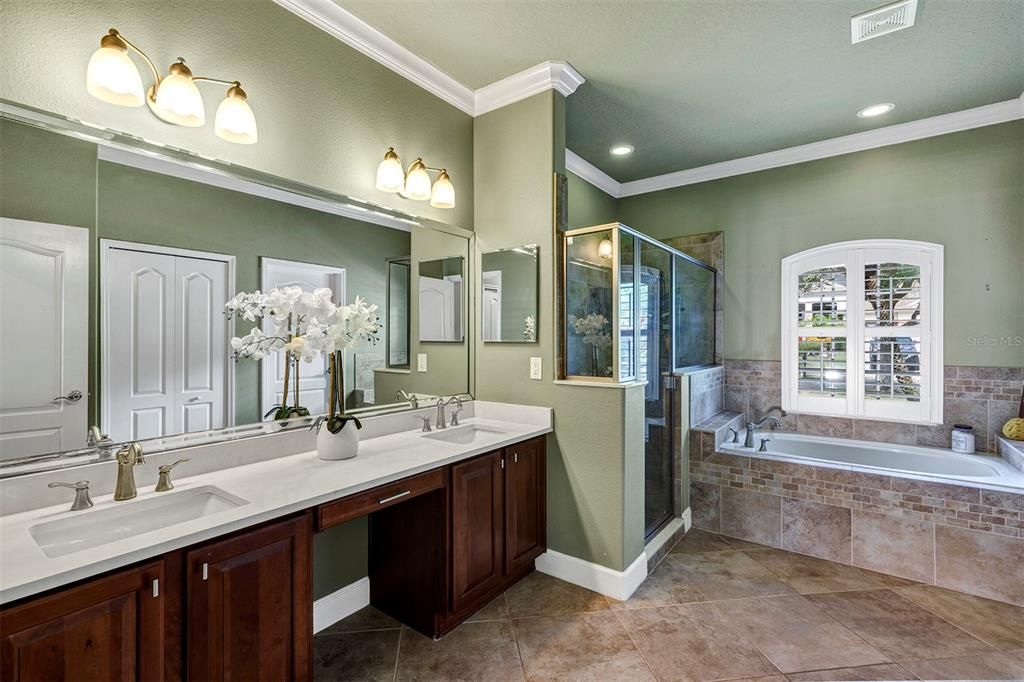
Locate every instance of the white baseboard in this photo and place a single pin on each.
(340, 604)
(609, 582)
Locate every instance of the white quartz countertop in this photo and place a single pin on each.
(270, 489)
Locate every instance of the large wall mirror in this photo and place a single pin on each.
(115, 268)
(508, 295)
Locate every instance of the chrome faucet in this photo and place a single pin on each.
(127, 457)
(748, 442)
(458, 409)
(440, 422)
(81, 488)
(402, 395)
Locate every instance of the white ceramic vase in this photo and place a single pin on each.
(341, 445)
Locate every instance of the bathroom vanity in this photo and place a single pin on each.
(454, 520)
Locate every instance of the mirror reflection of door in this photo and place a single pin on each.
(440, 299)
(44, 285)
(491, 323)
(165, 366)
(313, 380)
(398, 296)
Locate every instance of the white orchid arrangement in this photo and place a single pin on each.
(305, 326)
(592, 328)
(530, 328)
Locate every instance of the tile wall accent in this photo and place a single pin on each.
(956, 536)
(707, 393)
(984, 397)
(1012, 451)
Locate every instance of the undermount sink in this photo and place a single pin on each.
(464, 435)
(126, 519)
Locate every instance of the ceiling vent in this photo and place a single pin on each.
(878, 22)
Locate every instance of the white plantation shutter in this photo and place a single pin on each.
(862, 330)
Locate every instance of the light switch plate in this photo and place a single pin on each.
(421, 362)
(536, 368)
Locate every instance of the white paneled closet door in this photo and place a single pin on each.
(164, 345)
(44, 337)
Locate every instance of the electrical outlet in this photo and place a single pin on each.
(421, 362)
(536, 368)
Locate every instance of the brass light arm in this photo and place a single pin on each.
(116, 38)
(221, 81)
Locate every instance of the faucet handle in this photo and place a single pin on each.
(164, 483)
(735, 435)
(81, 488)
(764, 445)
(426, 423)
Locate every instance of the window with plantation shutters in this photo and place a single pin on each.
(862, 330)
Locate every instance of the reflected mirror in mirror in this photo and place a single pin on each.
(508, 295)
(399, 277)
(441, 292)
(167, 245)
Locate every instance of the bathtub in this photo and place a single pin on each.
(902, 461)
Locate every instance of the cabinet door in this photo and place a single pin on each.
(107, 629)
(250, 607)
(525, 492)
(477, 528)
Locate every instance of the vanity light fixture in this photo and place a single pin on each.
(876, 110)
(605, 248)
(113, 77)
(414, 183)
(621, 150)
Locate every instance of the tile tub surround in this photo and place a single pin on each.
(800, 619)
(955, 536)
(984, 397)
(391, 450)
(1012, 451)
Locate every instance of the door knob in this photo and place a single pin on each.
(72, 397)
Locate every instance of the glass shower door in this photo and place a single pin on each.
(654, 366)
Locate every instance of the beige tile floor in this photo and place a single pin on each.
(715, 609)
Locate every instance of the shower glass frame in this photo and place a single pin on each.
(616, 230)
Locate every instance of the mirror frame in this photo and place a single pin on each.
(303, 195)
(536, 293)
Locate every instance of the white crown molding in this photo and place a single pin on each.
(558, 76)
(359, 35)
(577, 165)
(991, 114)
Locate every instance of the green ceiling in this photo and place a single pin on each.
(693, 82)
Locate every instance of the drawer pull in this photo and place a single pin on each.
(156, 587)
(206, 571)
(393, 497)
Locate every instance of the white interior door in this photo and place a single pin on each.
(164, 341)
(492, 306)
(313, 379)
(44, 337)
(437, 309)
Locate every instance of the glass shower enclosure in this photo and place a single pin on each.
(637, 310)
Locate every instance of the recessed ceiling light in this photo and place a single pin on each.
(621, 149)
(876, 110)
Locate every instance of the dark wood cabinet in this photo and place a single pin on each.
(109, 629)
(250, 605)
(525, 505)
(477, 528)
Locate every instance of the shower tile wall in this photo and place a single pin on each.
(984, 397)
(707, 393)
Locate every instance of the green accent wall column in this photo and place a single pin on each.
(595, 490)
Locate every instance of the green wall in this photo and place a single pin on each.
(589, 205)
(595, 501)
(326, 113)
(964, 191)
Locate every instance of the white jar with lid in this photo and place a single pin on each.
(963, 438)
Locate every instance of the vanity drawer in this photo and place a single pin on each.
(361, 504)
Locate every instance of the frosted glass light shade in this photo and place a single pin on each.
(443, 193)
(235, 121)
(604, 249)
(417, 183)
(178, 101)
(113, 77)
(390, 176)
